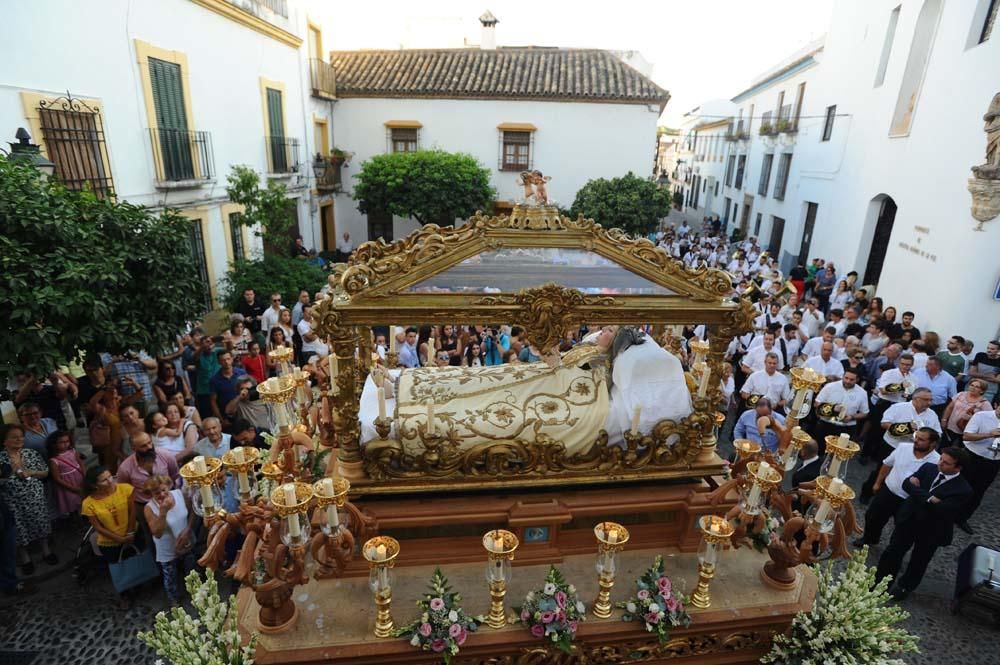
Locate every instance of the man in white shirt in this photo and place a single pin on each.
(768, 382)
(839, 406)
(812, 348)
(791, 307)
(345, 246)
(982, 439)
(826, 364)
(770, 315)
(753, 361)
(812, 317)
(837, 322)
(918, 351)
(683, 229)
(788, 344)
(738, 267)
(902, 463)
(311, 343)
(297, 310)
(270, 316)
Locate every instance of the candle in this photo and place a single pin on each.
(710, 553)
(392, 339)
(332, 360)
(498, 543)
(636, 414)
(332, 518)
(800, 397)
(327, 485)
(207, 500)
(431, 426)
(715, 528)
(843, 440)
(238, 455)
(706, 374)
(836, 486)
(763, 469)
(281, 415)
(371, 553)
(288, 494)
(754, 497)
(380, 553)
(824, 512)
(834, 469)
(199, 465)
(612, 536)
(381, 402)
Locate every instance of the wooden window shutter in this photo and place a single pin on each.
(168, 94)
(274, 113)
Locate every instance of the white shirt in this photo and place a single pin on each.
(766, 319)
(791, 349)
(839, 326)
(269, 318)
(905, 413)
(345, 246)
(317, 346)
(738, 267)
(775, 386)
(831, 367)
(854, 401)
(812, 321)
(904, 464)
(177, 517)
(812, 348)
(891, 377)
(754, 359)
(919, 360)
(982, 422)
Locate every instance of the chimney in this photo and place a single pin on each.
(489, 38)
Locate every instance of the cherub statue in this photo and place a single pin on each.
(534, 186)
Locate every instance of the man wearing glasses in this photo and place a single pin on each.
(270, 316)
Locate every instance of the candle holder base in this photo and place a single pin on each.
(602, 607)
(384, 624)
(706, 451)
(701, 597)
(497, 617)
(779, 577)
(352, 470)
(274, 620)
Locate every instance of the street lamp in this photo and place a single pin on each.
(26, 151)
(319, 167)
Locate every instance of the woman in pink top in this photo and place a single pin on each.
(66, 472)
(962, 407)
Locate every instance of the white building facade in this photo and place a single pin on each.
(154, 103)
(574, 114)
(705, 149)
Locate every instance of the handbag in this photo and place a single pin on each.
(133, 571)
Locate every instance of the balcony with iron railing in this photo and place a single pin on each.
(326, 168)
(324, 81)
(282, 155)
(181, 158)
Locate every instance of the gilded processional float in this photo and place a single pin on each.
(607, 449)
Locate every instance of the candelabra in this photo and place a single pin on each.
(790, 455)
(805, 382)
(611, 539)
(242, 461)
(500, 546)
(203, 473)
(333, 544)
(715, 533)
(745, 449)
(762, 478)
(381, 553)
(839, 450)
(832, 493)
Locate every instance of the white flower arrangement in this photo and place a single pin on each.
(849, 622)
(443, 625)
(211, 639)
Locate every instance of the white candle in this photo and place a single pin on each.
(498, 543)
(199, 465)
(612, 536)
(332, 517)
(431, 425)
(834, 469)
(282, 415)
(843, 440)
(380, 553)
(706, 373)
(332, 360)
(371, 553)
(392, 339)
(800, 397)
(207, 500)
(381, 402)
(327, 485)
(238, 456)
(288, 494)
(636, 414)
(754, 496)
(764, 469)
(823, 512)
(836, 486)
(383, 572)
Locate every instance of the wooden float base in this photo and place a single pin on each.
(337, 617)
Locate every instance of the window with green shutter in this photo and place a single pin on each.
(171, 119)
(276, 130)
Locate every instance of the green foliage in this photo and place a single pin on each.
(86, 274)
(849, 624)
(630, 203)
(431, 186)
(267, 211)
(271, 274)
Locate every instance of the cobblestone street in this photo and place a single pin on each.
(67, 623)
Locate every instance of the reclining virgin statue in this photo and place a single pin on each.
(604, 382)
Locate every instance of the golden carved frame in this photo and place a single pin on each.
(371, 289)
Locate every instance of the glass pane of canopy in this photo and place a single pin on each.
(509, 270)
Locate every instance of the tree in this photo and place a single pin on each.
(271, 274)
(630, 203)
(427, 185)
(266, 211)
(82, 274)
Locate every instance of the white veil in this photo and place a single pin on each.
(648, 376)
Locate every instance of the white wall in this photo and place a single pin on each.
(92, 54)
(925, 172)
(574, 143)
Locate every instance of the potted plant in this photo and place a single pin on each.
(783, 126)
(849, 622)
(766, 129)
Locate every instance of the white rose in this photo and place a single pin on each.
(416, 640)
(654, 608)
(630, 606)
(572, 589)
(580, 607)
(453, 616)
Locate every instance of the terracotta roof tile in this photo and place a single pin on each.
(506, 73)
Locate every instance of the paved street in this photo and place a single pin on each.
(67, 623)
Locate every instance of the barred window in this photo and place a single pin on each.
(403, 139)
(73, 135)
(516, 155)
(236, 235)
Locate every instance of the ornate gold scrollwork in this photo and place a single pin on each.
(549, 311)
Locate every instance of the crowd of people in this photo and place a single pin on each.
(888, 385)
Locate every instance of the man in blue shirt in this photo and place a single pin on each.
(223, 385)
(747, 428)
(408, 349)
(941, 384)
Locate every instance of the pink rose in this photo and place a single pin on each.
(664, 584)
(460, 638)
(425, 629)
(572, 626)
(643, 594)
(454, 630)
(438, 645)
(672, 604)
(652, 618)
(437, 604)
(547, 617)
(538, 630)
(525, 614)
(560, 599)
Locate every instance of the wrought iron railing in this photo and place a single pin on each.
(73, 133)
(330, 178)
(282, 154)
(324, 81)
(181, 155)
(279, 7)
